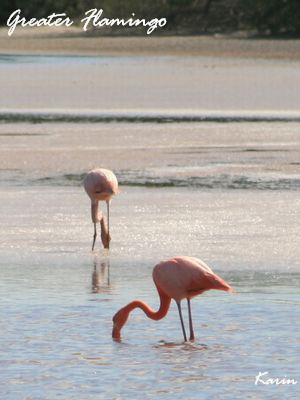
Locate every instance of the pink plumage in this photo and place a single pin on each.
(100, 184)
(185, 277)
(178, 278)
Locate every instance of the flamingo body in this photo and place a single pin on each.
(178, 278)
(100, 184)
(185, 277)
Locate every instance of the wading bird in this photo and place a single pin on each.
(100, 184)
(178, 278)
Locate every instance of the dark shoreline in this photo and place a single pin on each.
(133, 116)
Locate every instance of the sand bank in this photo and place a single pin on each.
(45, 40)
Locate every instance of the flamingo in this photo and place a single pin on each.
(100, 184)
(178, 278)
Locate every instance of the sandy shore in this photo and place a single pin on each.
(164, 150)
(45, 40)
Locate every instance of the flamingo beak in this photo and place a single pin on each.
(116, 335)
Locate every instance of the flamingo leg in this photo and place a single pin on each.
(181, 320)
(94, 238)
(192, 336)
(108, 235)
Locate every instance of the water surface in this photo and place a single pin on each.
(58, 298)
(227, 193)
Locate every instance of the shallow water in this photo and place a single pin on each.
(58, 298)
(226, 193)
(262, 156)
(162, 83)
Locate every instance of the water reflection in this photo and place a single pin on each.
(100, 275)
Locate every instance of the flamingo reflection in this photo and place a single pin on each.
(101, 275)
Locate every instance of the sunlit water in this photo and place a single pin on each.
(58, 298)
(226, 193)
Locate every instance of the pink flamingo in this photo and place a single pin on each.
(178, 278)
(100, 184)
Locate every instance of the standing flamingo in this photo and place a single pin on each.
(100, 184)
(178, 278)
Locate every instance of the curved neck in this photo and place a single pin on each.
(156, 315)
(94, 212)
(121, 316)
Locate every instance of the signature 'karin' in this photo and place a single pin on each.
(261, 379)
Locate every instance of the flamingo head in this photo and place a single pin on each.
(119, 320)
